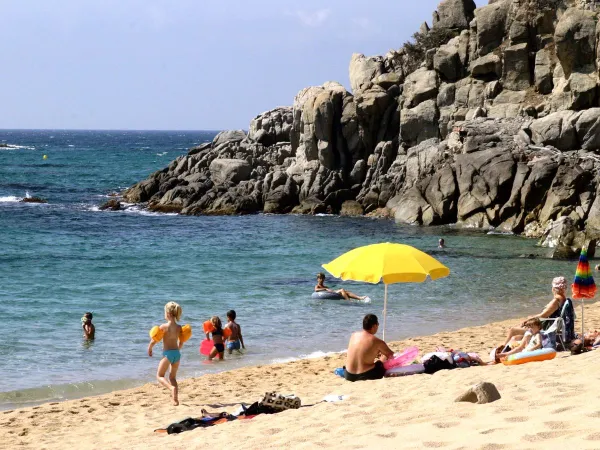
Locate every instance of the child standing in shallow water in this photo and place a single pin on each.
(217, 337)
(235, 340)
(171, 350)
(89, 330)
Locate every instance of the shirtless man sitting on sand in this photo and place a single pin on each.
(363, 349)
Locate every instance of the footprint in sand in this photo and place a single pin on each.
(561, 410)
(490, 431)
(544, 435)
(593, 437)
(446, 424)
(556, 425)
(435, 444)
(595, 414)
(517, 419)
(387, 435)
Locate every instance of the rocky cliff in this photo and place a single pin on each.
(490, 117)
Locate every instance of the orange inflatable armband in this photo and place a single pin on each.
(226, 332)
(208, 327)
(156, 334)
(186, 333)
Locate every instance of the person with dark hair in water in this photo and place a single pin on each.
(320, 286)
(89, 330)
(363, 349)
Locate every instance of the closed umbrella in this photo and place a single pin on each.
(387, 262)
(583, 286)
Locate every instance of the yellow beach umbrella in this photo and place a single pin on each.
(387, 262)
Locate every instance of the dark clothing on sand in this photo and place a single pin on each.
(375, 373)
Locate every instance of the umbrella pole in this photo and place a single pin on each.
(582, 326)
(384, 309)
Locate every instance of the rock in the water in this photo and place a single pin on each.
(113, 205)
(34, 200)
(480, 393)
(351, 208)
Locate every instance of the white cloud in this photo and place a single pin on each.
(312, 19)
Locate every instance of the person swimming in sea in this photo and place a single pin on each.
(89, 330)
(320, 287)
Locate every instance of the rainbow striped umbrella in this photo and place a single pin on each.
(583, 286)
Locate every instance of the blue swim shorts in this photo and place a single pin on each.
(172, 355)
(234, 345)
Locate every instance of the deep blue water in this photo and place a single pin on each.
(66, 257)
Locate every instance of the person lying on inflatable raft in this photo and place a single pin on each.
(343, 293)
(363, 349)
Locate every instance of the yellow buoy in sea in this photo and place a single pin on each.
(45, 156)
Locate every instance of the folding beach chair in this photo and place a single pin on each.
(555, 329)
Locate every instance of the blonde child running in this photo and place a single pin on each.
(171, 349)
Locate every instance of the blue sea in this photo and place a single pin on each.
(61, 259)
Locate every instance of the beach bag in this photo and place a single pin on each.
(280, 402)
(434, 364)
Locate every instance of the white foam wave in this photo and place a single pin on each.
(313, 355)
(10, 199)
(501, 233)
(17, 147)
(162, 154)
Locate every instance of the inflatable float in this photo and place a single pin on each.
(156, 334)
(543, 354)
(401, 371)
(326, 295)
(401, 359)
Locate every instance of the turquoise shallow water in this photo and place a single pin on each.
(63, 258)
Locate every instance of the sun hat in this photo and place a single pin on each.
(559, 283)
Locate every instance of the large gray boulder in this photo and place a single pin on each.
(229, 136)
(446, 62)
(543, 71)
(488, 66)
(484, 182)
(515, 76)
(363, 71)
(588, 129)
(454, 14)
(419, 86)
(575, 38)
(317, 131)
(556, 129)
(491, 26)
(272, 127)
(419, 123)
(223, 171)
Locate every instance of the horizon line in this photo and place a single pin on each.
(109, 129)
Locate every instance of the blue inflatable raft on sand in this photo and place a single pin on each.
(326, 295)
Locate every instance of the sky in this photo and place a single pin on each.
(182, 64)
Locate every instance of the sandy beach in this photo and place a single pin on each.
(552, 404)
